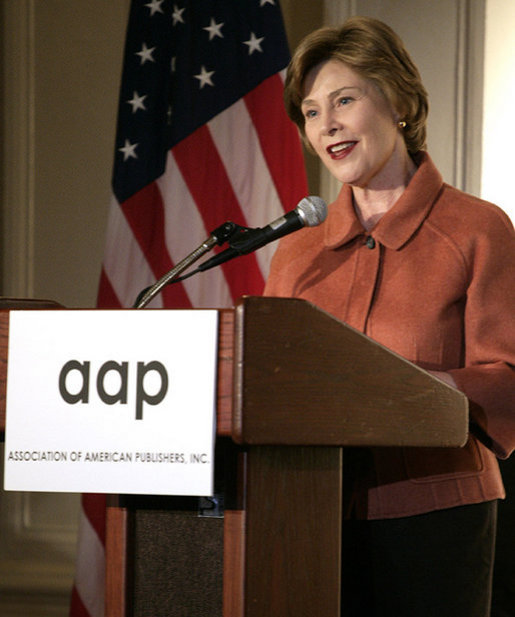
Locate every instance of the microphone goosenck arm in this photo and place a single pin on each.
(219, 236)
(310, 211)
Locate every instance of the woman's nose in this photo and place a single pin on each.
(331, 124)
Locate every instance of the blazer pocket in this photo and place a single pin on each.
(433, 464)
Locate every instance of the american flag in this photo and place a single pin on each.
(202, 138)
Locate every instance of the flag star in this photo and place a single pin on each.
(254, 43)
(155, 6)
(146, 54)
(129, 150)
(177, 15)
(204, 77)
(137, 102)
(263, 2)
(214, 29)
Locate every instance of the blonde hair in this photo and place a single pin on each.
(375, 52)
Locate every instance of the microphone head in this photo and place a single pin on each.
(312, 210)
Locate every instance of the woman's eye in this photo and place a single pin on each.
(345, 100)
(310, 113)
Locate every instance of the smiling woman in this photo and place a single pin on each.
(427, 271)
(346, 99)
(355, 131)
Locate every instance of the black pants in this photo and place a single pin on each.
(503, 602)
(432, 565)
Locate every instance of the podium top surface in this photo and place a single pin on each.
(303, 377)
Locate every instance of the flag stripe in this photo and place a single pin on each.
(90, 569)
(107, 293)
(239, 146)
(150, 237)
(77, 608)
(148, 230)
(125, 265)
(185, 231)
(93, 504)
(200, 163)
(242, 156)
(284, 156)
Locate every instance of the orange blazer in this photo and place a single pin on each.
(434, 282)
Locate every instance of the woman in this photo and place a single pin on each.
(427, 271)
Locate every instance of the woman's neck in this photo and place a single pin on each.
(373, 201)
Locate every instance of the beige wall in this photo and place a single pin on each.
(62, 64)
(499, 93)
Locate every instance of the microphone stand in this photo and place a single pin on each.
(218, 236)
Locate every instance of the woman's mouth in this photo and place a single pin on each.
(341, 149)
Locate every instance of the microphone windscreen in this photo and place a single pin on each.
(312, 210)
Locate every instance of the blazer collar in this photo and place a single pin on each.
(399, 224)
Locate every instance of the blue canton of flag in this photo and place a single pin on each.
(185, 63)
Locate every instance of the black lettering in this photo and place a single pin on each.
(144, 397)
(82, 395)
(121, 395)
(199, 458)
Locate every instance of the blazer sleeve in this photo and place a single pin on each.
(488, 375)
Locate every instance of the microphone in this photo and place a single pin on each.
(310, 212)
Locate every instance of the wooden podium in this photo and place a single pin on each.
(295, 386)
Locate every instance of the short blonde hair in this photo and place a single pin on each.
(375, 52)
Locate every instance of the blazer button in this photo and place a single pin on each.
(371, 243)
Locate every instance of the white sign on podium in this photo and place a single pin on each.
(111, 401)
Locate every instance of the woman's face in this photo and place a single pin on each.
(352, 127)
